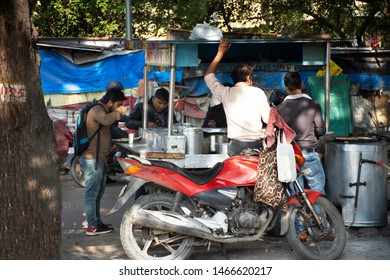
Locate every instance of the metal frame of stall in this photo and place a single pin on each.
(182, 50)
(179, 54)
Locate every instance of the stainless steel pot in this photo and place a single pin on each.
(367, 192)
(221, 148)
(194, 140)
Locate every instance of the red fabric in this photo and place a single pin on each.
(276, 121)
(62, 141)
(196, 107)
(179, 105)
(130, 101)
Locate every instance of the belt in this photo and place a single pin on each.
(308, 150)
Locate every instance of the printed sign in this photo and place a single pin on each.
(12, 92)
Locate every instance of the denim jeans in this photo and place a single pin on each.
(316, 178)
(95, 183)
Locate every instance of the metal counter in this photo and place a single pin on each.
(182, 160)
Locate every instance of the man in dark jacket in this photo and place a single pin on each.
(157, 111)
(215, 117)
(304, 116)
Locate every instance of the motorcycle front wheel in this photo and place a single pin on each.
(76, 172)
(144, 243)
(308, 240)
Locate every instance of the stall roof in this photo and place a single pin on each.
(246, 41)
(84, 44)
(271, 51)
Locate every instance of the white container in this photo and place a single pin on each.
(131, 138)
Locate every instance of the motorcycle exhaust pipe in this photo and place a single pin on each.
(171, 223)
(188, 226)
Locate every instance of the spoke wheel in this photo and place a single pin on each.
(324, 243)
(76, 172)
(142, 243)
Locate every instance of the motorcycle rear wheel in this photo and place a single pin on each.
(76, 172)
(142, 243)
(320, 244)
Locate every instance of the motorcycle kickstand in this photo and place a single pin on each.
(223, 250)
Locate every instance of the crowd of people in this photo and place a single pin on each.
(244, 110)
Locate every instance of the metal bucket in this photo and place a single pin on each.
(194, 140)
(222, 148)
(363, 203)
(216, 139)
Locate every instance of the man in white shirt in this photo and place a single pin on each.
(246, 107)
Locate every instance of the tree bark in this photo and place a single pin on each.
(30, 194)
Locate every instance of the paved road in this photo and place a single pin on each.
(362, 243)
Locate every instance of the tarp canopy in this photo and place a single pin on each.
(370, 69)
(264, 80)
(59, 75)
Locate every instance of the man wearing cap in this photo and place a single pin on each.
(157, 111)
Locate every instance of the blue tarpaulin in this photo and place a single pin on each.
(370, 81)
(264, 80)
(61, 76)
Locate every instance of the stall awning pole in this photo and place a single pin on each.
(327, 87)
(146, 99)
(171, 88)
(128, 20)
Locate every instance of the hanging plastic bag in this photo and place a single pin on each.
(204, 31)
(285, 158)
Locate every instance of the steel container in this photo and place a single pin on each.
(194, 140)
(363, 201)
(222, 148)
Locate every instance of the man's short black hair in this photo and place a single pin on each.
(113, 95)
(162, 94)
(293, 81)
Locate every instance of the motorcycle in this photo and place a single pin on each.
(174, 209)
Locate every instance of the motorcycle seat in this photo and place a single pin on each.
(200, 177)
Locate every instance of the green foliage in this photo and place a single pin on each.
(152, 18)
(340, 19)
(79, 18)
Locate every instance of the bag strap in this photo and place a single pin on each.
(97, 147)
(98, 139)
(281, 136)
(96, 132)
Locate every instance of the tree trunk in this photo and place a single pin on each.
(30, 194)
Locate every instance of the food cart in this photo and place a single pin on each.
(175, 143)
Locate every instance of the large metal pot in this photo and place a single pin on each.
(194, 137)
(356, 185)
(194, 140)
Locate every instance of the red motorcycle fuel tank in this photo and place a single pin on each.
(237, 171)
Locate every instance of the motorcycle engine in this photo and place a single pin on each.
(244, 218)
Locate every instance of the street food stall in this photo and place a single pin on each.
(179, 143)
